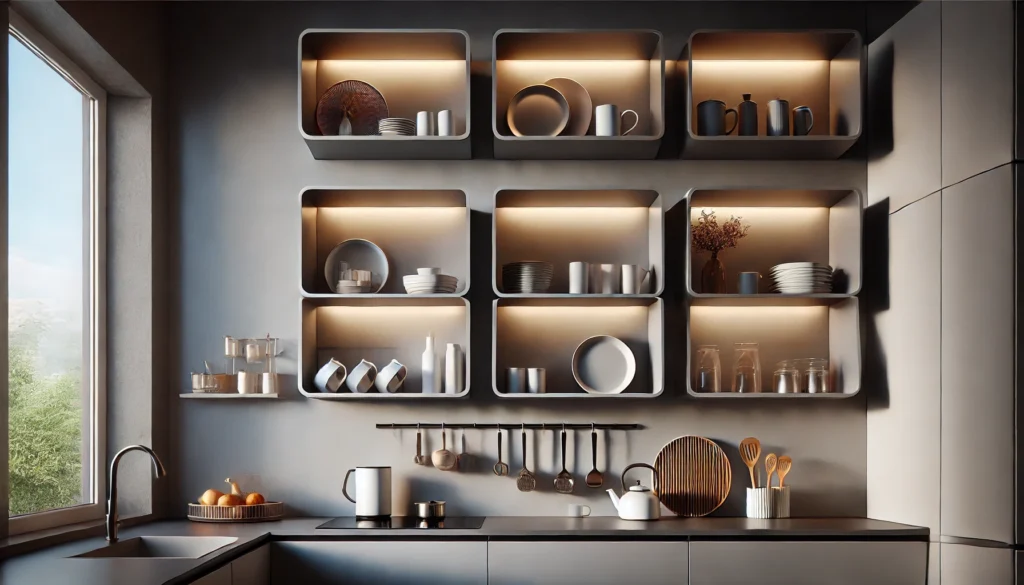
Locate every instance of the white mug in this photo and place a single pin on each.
(360, 379)
(632, 278)
(391, 377)
(373, 491)
(578, 510)
(331, 376)
(426, 124)
(579, 278)
(248, 382)
(445, 123)
(608, 121)
(608, 279)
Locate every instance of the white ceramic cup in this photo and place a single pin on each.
(391, 377)
(331, 376)
(536, 380)
(372, 495)
(253, 353)
(608, 120)
(426, 124)
(579, 278)
(360, 379)
(632, 278)
(445, 123)
(268, 383)
(578, 510)
(608, 281)
(248, 382)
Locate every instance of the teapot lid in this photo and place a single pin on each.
(639, 488)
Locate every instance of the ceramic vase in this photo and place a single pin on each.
(712, 277)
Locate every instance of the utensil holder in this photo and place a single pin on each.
(769, 502)
(213, 383)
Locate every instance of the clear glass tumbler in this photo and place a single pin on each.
(786, 379)
(746, 368)
(708, 375)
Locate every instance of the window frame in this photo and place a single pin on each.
(95, 362)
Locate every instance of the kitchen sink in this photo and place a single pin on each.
(160, 547)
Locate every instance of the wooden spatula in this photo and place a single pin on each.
(770, 462)
(785, 464)
(750, 452)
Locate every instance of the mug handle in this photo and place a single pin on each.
(633, 127)
(585, 507)
(735, 120)
(344, 486)
(811, 125)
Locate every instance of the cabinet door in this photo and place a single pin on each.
(586, 563)
(808, 563)
(221, 576)
(973, 565)
(253, 568)
(978, 356)
(379, 563)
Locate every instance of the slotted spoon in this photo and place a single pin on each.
(785, 464)
(750, 452)
(770, 462)
(500, 468)
(526, 482)
(563, 481)
(594, 478)
(419, 459)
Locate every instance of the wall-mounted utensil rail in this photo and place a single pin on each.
(532, 426)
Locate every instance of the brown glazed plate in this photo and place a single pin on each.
(357, 101)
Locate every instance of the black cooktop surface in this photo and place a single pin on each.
(404, 522)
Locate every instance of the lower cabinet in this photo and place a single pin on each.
(586, 563)
(808, 563)
(221, 576)
(383, 562)
(252, 568)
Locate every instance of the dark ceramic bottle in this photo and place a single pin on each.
(748, 116)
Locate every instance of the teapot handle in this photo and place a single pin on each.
(654, 472)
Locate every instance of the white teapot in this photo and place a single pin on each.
(639, 502)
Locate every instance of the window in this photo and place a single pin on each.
(56, 121)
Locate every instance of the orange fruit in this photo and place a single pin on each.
(230, 500)
(210, 497)
(254, 499)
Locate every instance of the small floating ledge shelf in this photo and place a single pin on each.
(377, 396)
(454, 295)
(768, 300)
(226, 396)
(579, 395)
(769, 395)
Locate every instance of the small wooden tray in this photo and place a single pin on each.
(256, 513)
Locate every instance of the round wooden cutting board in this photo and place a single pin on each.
(694, 476)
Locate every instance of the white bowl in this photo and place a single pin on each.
(427, 271)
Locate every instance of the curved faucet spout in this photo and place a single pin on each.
(158, 471)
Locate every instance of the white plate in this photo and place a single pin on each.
(581, 107)
(361, 255)
(603, 365)
(537, 110)
(801, 265)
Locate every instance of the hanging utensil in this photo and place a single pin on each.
(784, 465)
(563, 481)
(770, 462)
(419, 459)
(750, 452)
(500, 468)
(594, 478)
(444, 459)
(462, 459)
(526, 482)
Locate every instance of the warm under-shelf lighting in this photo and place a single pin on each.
(411, 220)
(561, 315)
(759, 317)
(787, 218)
(538, 218)
(764, 69)
(384, 326)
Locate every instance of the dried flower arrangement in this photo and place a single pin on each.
(707, 235)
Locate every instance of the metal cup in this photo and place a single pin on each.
(536, 380)
(749, 283)
(803, 121)
(778, 118)
(515, 380)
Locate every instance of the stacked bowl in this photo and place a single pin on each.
(429, 281)
(801, 278)
(396, 127)
(527, 277)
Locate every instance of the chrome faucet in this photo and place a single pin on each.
(158, 470)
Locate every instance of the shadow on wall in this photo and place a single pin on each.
(875, 300)
(879, 90)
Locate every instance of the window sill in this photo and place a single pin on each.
(32, 541)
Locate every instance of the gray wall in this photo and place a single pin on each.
(238, 164)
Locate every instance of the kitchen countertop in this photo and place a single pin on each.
(51, 565)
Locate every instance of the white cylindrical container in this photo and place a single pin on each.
(536, 380)
(445, 123)
(431, 370)
(608, 281)
(454, 369)
(426, 124)
(579, 278)
(630, 284)
(247, 382)
(761, 503)
(268, 383)
(372, 493)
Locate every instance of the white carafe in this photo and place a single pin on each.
(373, 491)
(454, 366)
(431, 375)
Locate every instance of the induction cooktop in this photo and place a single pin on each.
(404, 522)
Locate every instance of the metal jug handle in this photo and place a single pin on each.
(654, 472)
(344, 486)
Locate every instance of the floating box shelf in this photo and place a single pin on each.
(413, 69)
(414, 228)
(822, 69)
(793, 330)
(544, 333)
(785, 226)
(563, 226)
(379, 330)
(621, 67)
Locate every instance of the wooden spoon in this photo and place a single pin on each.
(750, 452)
(770, 461)
(785, 464)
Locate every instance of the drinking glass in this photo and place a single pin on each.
(746, 369)
(708, 376)
(815, 374)
(786, 379)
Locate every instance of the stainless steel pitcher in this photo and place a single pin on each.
(778, 118)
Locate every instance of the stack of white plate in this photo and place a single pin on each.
(353, 287)
(801, 278)
(396, 127)
(426, 284)
(527, 277)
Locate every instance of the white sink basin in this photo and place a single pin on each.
(160, 547)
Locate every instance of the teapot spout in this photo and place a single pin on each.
(615, 498)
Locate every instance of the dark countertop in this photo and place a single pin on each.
(51, 565)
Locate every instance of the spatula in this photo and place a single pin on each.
(770, 462)
(563, 481)
(785, 464)
(750, 452)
